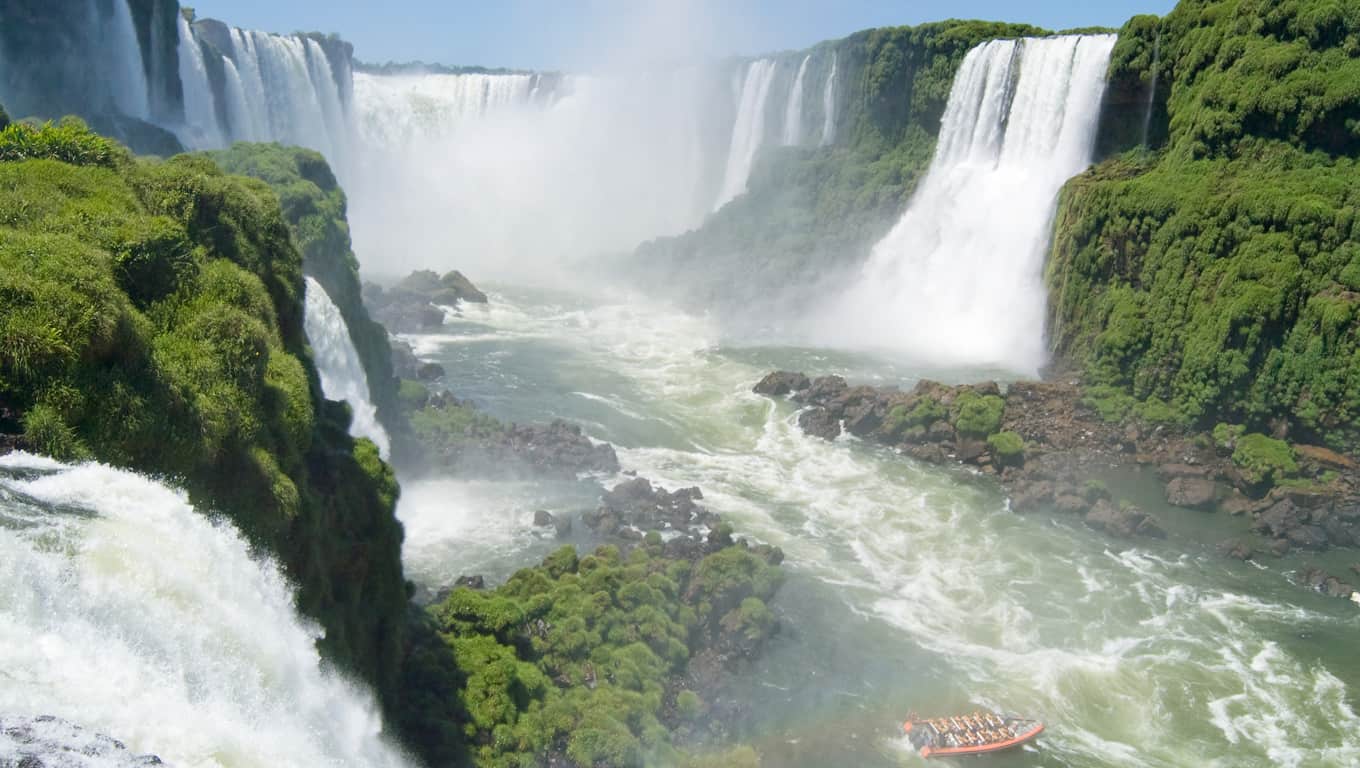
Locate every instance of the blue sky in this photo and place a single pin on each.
(582, 34)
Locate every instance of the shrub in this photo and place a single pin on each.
(1226, 436)
(1264, 461)
(69, 141)
(1007, 448)
(978, 415)
(689, 705)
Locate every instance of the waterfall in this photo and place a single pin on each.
(200, 115)
(749, 130)
(122, 65)
(392, 110)
(793, 113)
(127, 612)
(337, 361)
(829, 105)
(254, 124)
(1152, 89)
(958, 279)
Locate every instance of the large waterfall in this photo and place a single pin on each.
(748, 133)
(124, 610)
(958, 280)
(341, 370)
(829, 105)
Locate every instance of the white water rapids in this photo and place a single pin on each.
(911, 587)
(126, 611)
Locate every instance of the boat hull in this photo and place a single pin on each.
(1024, 731)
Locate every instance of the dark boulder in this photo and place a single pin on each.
(462, 287)
(822, 390)
(471, 582)
(819, 422)
(1236, 549)
(543, 518)
(781, 383)
(430, 371)
(1321, 581)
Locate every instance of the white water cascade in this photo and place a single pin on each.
(829, 105)
(125, 611)
(123, 61)
(395, 109)
(200, 116)
(958, 280)
(291, 88)
(748, 133)
(337, 361)
(793, 112)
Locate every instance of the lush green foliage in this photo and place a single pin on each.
(978, 415)
(314, 207)
(1007, 448)
(447, 427)
(69, 141)
(150, 317)
(925, 412)
(576, 656)
(812, 211)
(1221, 274)
(1264, 461)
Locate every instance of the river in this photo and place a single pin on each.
(910, 586)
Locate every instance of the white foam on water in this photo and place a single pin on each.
(126, 611)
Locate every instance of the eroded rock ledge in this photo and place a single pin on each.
(1043, 443)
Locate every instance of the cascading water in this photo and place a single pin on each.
(200, 115)
(126, 78)
(958, 280)
(337, 361)
(829, 105)
(395, 109)
(793, 113)
(748, 133)
(1152, 88)
(125, 611)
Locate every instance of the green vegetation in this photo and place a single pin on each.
(810, 211)
(1219, 273)
(978, 415)
(314, 207)
(925, 412)
(1007, 449)
(579, 656)
(151, 317)
(1264, 461)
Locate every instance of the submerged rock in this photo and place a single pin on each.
(1125, 522)
(1192, 492)
(49, 742)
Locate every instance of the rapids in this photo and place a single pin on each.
(911, 587)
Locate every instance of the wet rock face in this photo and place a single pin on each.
(819, 422)
(49, 742)
(781, 383)
(413, 305)
(636, 506)
(1325, 583)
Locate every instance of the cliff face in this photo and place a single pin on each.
(811, 212)
(1217, 268)
(153, 320)
(314, 208)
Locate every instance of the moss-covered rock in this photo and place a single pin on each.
(314, 207)
(1218, 271)
(978, 415)
(1007, 449)
(577, 657)
(152, 318)
(1264, 461)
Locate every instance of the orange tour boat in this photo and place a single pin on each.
(974, 734)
